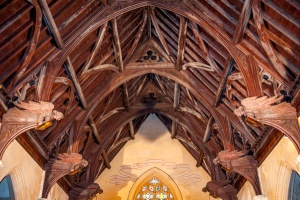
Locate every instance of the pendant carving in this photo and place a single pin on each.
(23, 117)
(58, 167)
(241, 163)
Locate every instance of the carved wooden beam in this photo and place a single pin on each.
(266, 111)
(203, 47)
(95, 50)
(51, 23)
(174, 129)
(117, 45)
(72, 75)
(23, 117)
(30, 50)
(131, 129)
(69, 67)
(149, 27)
(208, 130)
(227, 136)
(105, 159)
(176, 95)
(265, 41)
(181, 43)
(242, 23)
(94, 129)
(193, 112)
(137, 36)
(241, 163)
(200, 158)
(228, 68)
(125, 97)
(160, 35)
(62, 165)
(85, 191)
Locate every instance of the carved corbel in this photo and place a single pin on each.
(221, 189)
(23, 117)
(265, 111)
(241, 163)
(58, 167)
(85, 191)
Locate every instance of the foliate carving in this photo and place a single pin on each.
(25, 116)
(264, 110)
(85, 191)
(240, 162)
(221, 189)
(62, 165)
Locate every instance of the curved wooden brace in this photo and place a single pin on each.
(198, 65)
(32, 46)
(174, 75)
(193, 112)
(239, 57)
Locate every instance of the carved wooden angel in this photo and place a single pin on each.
(269, 111)
(23, 117)
(240, 162)
(57, 168)
(221, 189)
(32, 112)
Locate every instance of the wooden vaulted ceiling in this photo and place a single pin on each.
(108, 64)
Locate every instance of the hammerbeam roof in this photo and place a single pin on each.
(108, 64)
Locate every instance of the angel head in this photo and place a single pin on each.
(239, 111)
(57, 115)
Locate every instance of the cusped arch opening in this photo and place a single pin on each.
(155, 184)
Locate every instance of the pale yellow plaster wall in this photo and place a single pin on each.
(153, 147)
(275, 172)
(26, 175)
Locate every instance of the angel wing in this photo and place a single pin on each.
(231, 155)
(73, 157)
(264, 108)
(259, 103)
(36, 107)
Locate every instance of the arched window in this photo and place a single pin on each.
(6, 189)
(294, 187)
(155, 185)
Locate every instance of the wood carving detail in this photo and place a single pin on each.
(58, 167)
(23, 117)
(85, 191)
(241, 163)
(221, 189)
(265, 111)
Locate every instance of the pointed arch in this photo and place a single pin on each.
(159, 175)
